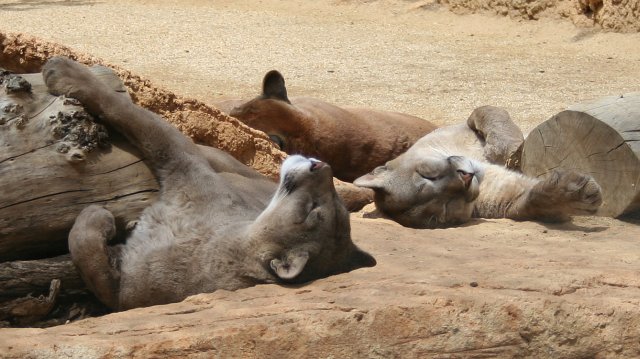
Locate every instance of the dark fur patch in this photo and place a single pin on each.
(288, 184)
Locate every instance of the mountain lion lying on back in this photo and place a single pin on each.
(457, 172)
(213, 225)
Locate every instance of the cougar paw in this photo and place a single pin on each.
(64, 76)
(91, 255)
(578, 192)
(93, 228)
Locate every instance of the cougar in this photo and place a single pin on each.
(214, 225)
(457, 172)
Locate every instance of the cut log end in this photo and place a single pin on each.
(578, 141)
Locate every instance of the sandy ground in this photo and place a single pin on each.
(388, 55)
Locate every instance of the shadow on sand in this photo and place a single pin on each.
(26, 5)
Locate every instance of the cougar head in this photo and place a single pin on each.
(424, 190)
(305, 228)
(272, 113)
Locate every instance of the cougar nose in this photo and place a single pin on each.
(316, 165)
(466, 177)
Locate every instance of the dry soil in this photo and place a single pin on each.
(394, 55)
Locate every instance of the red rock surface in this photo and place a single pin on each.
(495, 288)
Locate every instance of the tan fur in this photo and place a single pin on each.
(447, 177)
(216, 224)
(352, 140)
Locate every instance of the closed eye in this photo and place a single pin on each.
(430, 178)
(313, 205)
(379, 170)
(278, 141)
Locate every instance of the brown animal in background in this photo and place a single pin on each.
(352, 140)
(209, 229)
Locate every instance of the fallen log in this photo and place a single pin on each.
(601, 138)
(54, 161)
(44, 292)
(22, 278)
(29, 309)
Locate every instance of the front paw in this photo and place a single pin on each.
(572, 192)
(64, 76)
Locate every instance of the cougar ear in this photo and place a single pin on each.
(360, 258)
(374, 180)
(291, 265)
(273, 86)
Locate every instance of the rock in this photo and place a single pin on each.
(573, 292)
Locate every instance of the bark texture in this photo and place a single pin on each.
(54, 161)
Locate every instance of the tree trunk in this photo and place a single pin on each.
(54, 161)
(600, 138)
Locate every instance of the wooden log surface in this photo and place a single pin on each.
(44, 292)
(600, 138)
(22, 278)
(54, 161)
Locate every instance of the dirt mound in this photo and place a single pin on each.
(619, 16)
(205, 124)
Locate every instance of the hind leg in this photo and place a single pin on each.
(563, 194)
(91, 255)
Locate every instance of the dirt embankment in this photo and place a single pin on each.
(612, 15)
(203, 123)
